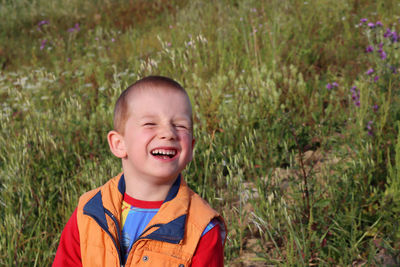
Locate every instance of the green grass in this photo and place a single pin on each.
(288, 163)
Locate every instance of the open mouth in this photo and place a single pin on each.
(164, 153)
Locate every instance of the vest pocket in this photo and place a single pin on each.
(151, 258)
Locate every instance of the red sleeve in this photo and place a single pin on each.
(69, 250)
(209, 251)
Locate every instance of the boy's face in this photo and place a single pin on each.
(158, 135)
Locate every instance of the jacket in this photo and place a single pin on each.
(170, 239)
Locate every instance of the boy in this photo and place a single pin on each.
(147, 215)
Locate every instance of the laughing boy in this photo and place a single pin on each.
(147, 215)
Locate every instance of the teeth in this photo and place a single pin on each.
(163, 152)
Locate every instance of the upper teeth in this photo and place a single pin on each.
(163, 151)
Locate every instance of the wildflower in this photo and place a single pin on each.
(378, 24)
(371, 25)
(69, 59)
(388, 33)
(369, 128)
(395, 37)
(376, 78)
(329, 86)
(335, 84)
(375, 108)
(363, 20)
(355, 95)
(43, 44)
(383, 55)
(168, 44)
(75, 28)
(43, 22)
(380, 45)
(112, 40)
(370, 71)
(369, 49)
(254, 10)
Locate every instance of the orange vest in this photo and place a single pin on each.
(170, 239)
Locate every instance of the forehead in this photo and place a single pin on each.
(159, 100)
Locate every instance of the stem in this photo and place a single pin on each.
(306, 195)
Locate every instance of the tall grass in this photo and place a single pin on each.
(305, 173)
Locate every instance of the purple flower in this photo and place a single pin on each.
(369, 125)
(43, 44)
(380, 45)
(370, 128)
(375, 108)
(75, 28)
(388, 33)
(369, 49)
(378, 24)
(371, 25)
(112, 40)
(383, 55)
(329, 86)
(355, 95)
(363, 20)
(370, 71)
(43, 22)
(335, 84)
(254, 10)
(395, 37)
(69, 59)
(376, 78)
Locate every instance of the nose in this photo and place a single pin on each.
(167, 132)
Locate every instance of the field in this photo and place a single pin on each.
(296, 111)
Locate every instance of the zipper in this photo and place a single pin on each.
(119, 249)
(105, 229)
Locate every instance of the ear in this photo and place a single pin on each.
(193, 142)
(117, 144)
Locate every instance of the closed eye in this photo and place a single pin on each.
(149, 124)
(181, 126)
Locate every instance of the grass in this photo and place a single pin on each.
(303, 175)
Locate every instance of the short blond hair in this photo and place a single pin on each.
(121, 110)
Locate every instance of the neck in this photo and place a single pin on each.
(145, 189)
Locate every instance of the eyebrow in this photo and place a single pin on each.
(180, 118)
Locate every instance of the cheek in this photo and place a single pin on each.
(138, 140)
(186, 137)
